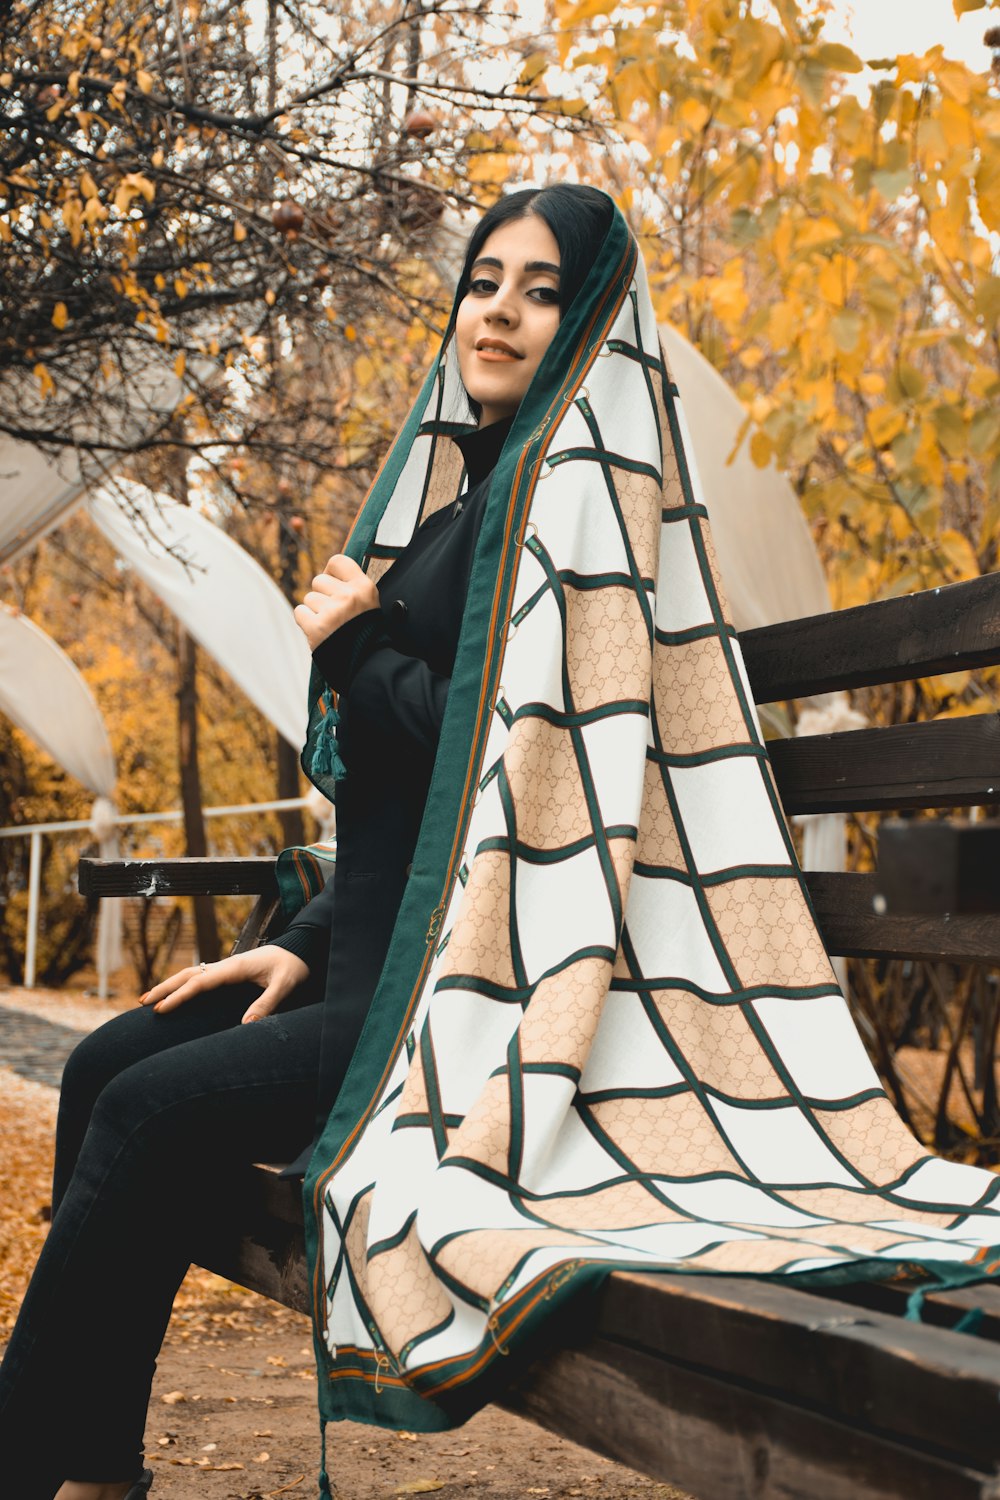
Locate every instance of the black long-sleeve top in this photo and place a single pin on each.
(391, 668)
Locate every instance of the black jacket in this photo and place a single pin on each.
(391, 668)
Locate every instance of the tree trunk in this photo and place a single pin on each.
(205, 926)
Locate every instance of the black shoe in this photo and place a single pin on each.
(141, 1487)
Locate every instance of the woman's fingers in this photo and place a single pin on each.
(187, 983)
(266, 1003)
(325, 602)
(344, 567)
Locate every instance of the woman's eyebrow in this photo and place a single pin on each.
(532, 265)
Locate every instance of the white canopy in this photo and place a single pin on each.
(767, 556)
(219, 593)
(42, 692)
(37, 490)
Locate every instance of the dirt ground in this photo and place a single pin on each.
(233, 1414)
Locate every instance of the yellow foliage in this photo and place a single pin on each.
(46, 384)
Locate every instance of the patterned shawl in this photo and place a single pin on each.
(607, 1034)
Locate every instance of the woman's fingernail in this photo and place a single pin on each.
(145, 997)
(158, 1005)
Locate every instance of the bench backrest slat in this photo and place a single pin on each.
(890, 640)
(850, 927)
(943, 763)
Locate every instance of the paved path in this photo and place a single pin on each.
(35, 1048)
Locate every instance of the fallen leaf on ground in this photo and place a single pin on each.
(419, 1486)
(172, 1397)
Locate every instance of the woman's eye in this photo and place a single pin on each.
(547, 293)
(481, 283)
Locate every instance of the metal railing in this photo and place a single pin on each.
(35, 832)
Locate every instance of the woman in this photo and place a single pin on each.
(599, 1027)
(161, 1107)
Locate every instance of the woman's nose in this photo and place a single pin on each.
(501, 306)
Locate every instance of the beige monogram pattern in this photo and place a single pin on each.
(694, 710)
(606, 646)
(768, 933)
(719, 1046)
(546, 785)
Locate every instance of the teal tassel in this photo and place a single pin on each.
(326, 759)
(324, 1477)
(969, 1321)
(915, 1305)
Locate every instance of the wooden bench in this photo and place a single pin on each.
(735, 1388)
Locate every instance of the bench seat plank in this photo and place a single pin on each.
(722, 1440)
(799, 1392)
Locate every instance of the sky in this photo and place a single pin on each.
(883, 28)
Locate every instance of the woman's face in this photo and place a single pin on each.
(509, 315)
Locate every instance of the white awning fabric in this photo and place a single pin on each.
(223, 598)
(42, 692)
(767, 556)
(38, 491)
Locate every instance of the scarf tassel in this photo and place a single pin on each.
(326, 759)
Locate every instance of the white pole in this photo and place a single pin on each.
(34, 885)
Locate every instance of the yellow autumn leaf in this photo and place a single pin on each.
(534, 65)
(180, 286)
(885, 423)
(180, 365)
(269, 297)
(60, 315)
(958, 550)
(88, 187)
(761, 449)
(838, 57)
(144, 80)
(239, 232)
(45, 381)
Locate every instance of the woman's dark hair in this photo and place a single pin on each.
(579, 217)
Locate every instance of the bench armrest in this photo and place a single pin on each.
(251, 876)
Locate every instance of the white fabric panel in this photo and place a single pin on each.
(615, 1062)
(761, 1137)
(816, 1037)
(579, 918)
(223, 598)
(652, 932)
(727, 814)
(588, 544)
(937, 1181)
(42, 692)
(681, 601)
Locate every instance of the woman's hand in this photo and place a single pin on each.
(274, 969)
(340, 592)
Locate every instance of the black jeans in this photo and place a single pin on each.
(159, 1118)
